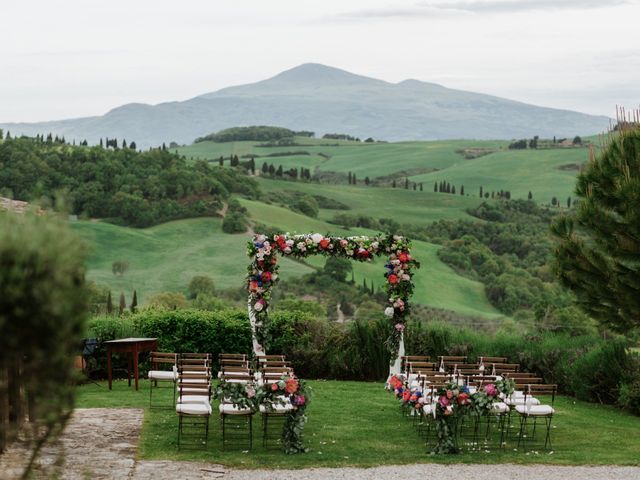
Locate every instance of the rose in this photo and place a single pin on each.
(406, 277)
(266, 276)
(291, 386)
(413, 398)
(259, 305)
(274, 387)
(261, 238)
(443, 400)
(389, 311)
(299, 400)
(403, 257)
(316, 237)
(251, 392)
(449, 394)
(406, 395)
(491, 390)
(253, 286)
(463, 399)
(343, 243)
(287, 250)
(324, 243)
(392, 279)
(400, 327)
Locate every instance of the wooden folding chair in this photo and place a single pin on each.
(528, 411)
(159, 374)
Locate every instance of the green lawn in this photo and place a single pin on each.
(359, 424)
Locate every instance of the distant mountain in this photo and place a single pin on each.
(326, 100)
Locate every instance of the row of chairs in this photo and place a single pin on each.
(524, 402)
(458, 364)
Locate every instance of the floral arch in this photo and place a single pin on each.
(263, 275)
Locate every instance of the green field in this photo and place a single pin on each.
(166, 257)
(545, 172)
(360, 424)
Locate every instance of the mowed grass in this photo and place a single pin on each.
(166, 257)
(360, 424)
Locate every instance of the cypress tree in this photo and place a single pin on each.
(481, 195)
(123, 304)
(530, 196)
(265, 168)
(349, 178)
(353, 178)
(421, 188)
(415, 185)
(453, 189)
(366, 180)
(109, 303)
(279, 171)
(461, 189)
(598, 241)
(364, 285)
(221, 162)
(435, 187)
(134, 302)
(406, 183)
(568, 202)
(393, 183)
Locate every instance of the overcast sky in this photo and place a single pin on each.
(77, 58)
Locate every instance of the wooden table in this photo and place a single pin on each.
(134, 346)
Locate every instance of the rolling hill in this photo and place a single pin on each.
(325, 99)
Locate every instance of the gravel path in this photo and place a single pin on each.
(444, 472)
(101, 443)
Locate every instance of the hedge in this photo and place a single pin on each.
(586, 367)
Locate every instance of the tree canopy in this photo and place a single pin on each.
(598, 243)
(129, 187)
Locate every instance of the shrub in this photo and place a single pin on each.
(168, 300)
(43, 309)
(307, 205)
(200, 284)
(629, 398)
(234, 222)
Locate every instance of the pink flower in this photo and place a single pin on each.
(443, 400)
(299, 400)
(400, 327)
(491, 390)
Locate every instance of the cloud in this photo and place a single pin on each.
(432, 8)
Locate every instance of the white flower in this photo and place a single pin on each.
(290, 243)
(261, 238)
(301, 246)
(349, 252)
(375, 245)
(287, 250)
(389, 311)
(258, 306)
(316, 237)
(406, 277)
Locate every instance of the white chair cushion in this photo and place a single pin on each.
(536, 410)
(194, 399)
(276, 408)
(499, 407)
(162, 375)
(230, 409)
(193, 408)
(520, 401)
